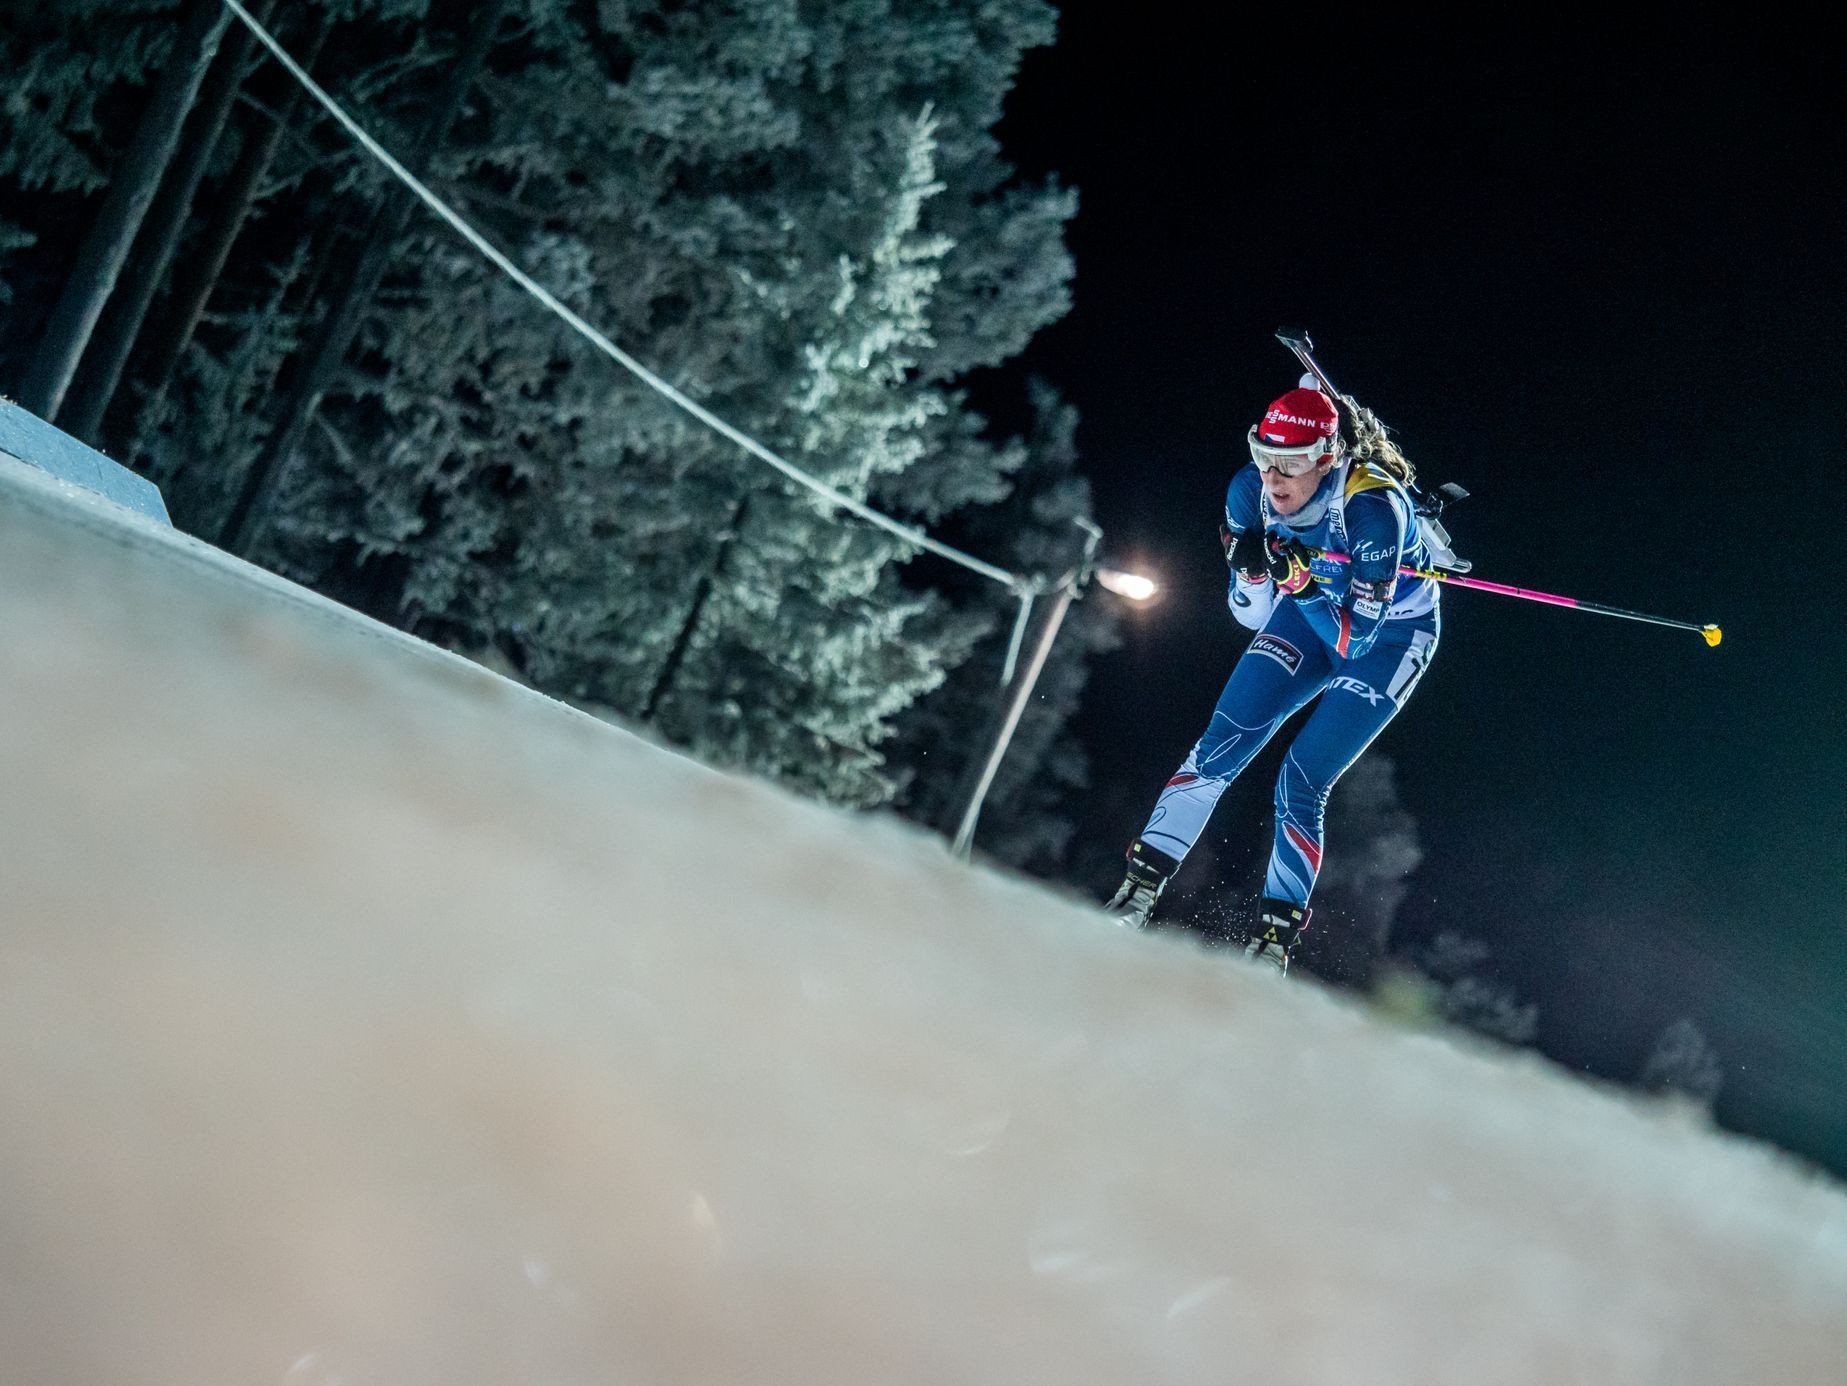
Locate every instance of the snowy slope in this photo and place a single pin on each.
(365, 1019)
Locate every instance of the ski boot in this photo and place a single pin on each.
(1149, 871)
(1279, 925)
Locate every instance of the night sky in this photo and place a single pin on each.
(1596, 277)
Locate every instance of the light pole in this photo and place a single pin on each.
(1065, 590)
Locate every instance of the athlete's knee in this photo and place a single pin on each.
(1214, 758)
(1302, 791)
(1189, 769)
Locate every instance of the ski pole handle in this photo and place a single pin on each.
(1711, 633)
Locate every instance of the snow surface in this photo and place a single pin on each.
(366, 1018)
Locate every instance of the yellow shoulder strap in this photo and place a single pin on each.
(1363, 476)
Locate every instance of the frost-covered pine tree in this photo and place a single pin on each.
(801, 644)
(747, 201)
(794, 665)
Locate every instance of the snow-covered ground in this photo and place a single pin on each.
(367, 1019)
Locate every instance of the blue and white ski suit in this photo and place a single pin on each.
(1361, 638)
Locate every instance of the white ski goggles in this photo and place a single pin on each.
(1295, 461)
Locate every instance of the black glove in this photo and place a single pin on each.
(1244, 551)
(1287, 559)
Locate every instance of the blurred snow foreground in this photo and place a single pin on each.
(365, 1018)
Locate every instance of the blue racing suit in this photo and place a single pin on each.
(1360, 635)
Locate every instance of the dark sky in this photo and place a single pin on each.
(1595, 276)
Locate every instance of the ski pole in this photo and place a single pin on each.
(1711, 632)
(1297, 340)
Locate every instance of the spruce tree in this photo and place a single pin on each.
(805, 649)
(739, 199)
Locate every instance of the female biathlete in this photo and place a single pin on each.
(1352, 632)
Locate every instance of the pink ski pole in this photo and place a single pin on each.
(1711, 632)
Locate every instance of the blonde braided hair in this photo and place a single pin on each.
(1370, 441)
